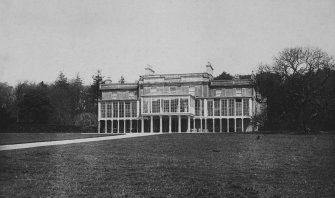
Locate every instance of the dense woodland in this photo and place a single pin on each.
(298, 90)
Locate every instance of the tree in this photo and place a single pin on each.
(224, 76)
(94, 93)
(34, 107)
(6, 105)
(60, 96)
(77, 94)
(296, 86)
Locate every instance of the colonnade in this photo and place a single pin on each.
(175, 123)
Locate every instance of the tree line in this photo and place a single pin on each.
(65, 102)
(297, 91)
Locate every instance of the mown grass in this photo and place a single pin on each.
(175, 165)
(17, 138)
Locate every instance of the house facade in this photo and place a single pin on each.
(166, 103)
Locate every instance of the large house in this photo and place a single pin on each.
(165, 103)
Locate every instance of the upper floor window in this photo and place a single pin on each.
(183, 105)
(127, 108)
(174, 105)
(153, 90)
(166, 105)
(217, 107)
(238, 92)
(173, 89)
(155, 105)
(133, 109)
(103, 110)
(210, 107)
(109, 110)
(218, 93)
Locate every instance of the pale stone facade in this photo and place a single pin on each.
(191, 102)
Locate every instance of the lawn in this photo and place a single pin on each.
(17, 138)
(175, 165)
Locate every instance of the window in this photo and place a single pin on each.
(174, 105)
(238, 92)
(121, 109)
(155, 105)
(146, 90)
(238, 107)
(153, 90)
(224, 107)
(183, 105)
(223, 92)
(103, 110)
(218, 93)
(217, 107)
(115, 110)
(210, 107)
(146, 105)
(231, 107)
(166, 105)
(133, 109)
(109, 110)
(173, 89)
(246, 107)
(197, 107)
(192, 90)
(127, 109)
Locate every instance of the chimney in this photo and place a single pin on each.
(209, 69)
(149, 70)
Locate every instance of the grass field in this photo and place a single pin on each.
(17, 138)
(175, 165)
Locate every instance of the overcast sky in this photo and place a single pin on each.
(40, 38)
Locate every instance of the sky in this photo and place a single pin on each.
(41, 38)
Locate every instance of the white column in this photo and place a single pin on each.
(234, 107)
(118, 110)
(131, 125)
(118, 125)
(220, 125)
(142, 124)
(189, 124)
(242, 125)
(179, 123)
(234, 124)
(178, 110)
(201, 125)
(99, 110)
(242, 107)
(220, 114)
(137, 108)
(205, 124)
(99, 116)
(105, 126)
(142, 111)
(170, 124)
(205, 108)
(160, 105)
(160, 124)
(250, 107)
(193, 124)
(213, 125)
(228, 125)
(111, 126)
(151, 124)
(124, 124)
